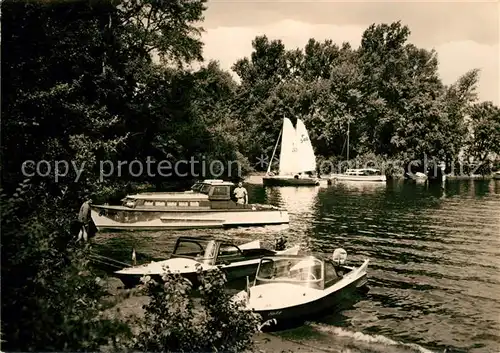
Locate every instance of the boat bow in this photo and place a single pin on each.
(270, 296)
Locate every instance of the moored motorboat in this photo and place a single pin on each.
(359, 174)
(363, 174)
(288, 288)
(207, 254)
(209, 204)
(496, 175)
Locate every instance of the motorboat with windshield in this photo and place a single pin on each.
(288, 288)
(237, 261)
(209, 204)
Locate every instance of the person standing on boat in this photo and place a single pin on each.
(241, 194)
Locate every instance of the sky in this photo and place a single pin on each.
(464, 34)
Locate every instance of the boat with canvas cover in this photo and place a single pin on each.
(209, 204)
(297, 162)
(190, 253)
(417, 177)
(288, 288)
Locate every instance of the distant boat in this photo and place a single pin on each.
(418, 177)
(297, 162)
(288, 288)
(189, 254)
(366, 174)
(361, 175)
(207, 205)
(496, 175)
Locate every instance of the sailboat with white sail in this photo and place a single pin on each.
(357, 175)
(297, 162)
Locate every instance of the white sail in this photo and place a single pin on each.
(306, 158)
(289, 151)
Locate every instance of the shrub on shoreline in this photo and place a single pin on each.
(175, 321)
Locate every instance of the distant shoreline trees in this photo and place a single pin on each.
(388, 91)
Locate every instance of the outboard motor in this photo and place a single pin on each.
(339, 256)
(280, 244)
(247, 289)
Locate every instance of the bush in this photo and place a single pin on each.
(177, 321)
(51, 300)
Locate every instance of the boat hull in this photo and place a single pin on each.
(314, 308)
(232, 273)
(289, 181)
(245, 266)
(363, 178)
(130, 219)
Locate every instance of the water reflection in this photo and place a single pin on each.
(496, 186)
(435, 260)
(297, 200)
(360, 186)
(301, 204)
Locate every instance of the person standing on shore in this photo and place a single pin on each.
(84, 220)
(241, 194)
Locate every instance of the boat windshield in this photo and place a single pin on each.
(373, 172)
(306, 271)
(198, 249)
(129, 202)
(202, 188)
(196, 187)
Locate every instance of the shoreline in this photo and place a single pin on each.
(256, 178)
(126, 305)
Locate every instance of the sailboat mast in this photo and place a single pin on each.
(348, 132)
(274, 151)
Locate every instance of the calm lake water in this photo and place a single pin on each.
(434, 274)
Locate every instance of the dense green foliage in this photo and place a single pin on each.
(485, 128)
(387, 90)
(92, 81)
(50, 299)
(80, 87)
(176, 321)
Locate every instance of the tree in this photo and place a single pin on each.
(59, 104)
(75, 79)
(167, 29)
(484, 122)
(458, 98)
